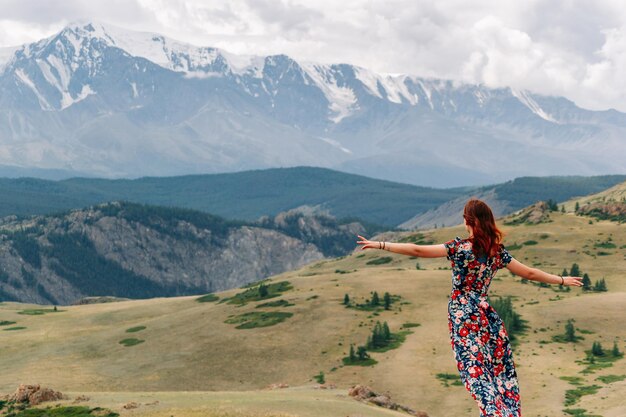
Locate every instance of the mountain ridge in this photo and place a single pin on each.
(79, 101)
(123, 249)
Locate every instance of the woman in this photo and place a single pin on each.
(478, 337)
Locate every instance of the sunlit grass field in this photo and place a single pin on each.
(194, 362)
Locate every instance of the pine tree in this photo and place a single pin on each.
(596, 349)
(552, 205)
(564, 273)
(386, 333)
(263, 291)
(563, 209)
(600, 285)
(375, 300)
(586, 281)
(377, 337)
(577, 207)
(615, 351)
(361, 352)
(346, 300)
(575, 271)
(570, 332)
(387, 300)
(352, 354)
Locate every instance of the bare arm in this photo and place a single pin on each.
(535, 274)
(409, 249)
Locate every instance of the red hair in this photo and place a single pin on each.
(486, 235)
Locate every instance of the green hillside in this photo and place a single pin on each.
(242, 340)
(249, 195)
(244, 195)
(523, 191)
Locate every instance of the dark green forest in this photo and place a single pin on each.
(249, 195)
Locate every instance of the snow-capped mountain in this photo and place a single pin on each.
(106, 101)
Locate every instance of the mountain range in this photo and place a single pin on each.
(98, 100)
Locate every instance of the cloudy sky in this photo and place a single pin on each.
(562, 47)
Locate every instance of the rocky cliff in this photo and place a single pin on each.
(138, 251)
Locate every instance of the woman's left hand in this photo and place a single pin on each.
(367, 244)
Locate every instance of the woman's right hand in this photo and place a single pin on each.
(367, 244)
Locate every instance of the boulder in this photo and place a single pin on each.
(34, 394)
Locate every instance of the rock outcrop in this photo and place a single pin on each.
(535, 214)
(34, 394)
(366, 394)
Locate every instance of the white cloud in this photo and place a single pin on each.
(575, 49)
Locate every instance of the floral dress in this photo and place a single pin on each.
(477, 334)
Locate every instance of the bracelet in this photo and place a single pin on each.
(380, 244)
(384, 244)
(562, 280)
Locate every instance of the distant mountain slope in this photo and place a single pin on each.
(138, 251)
(609, 204)
(513, 195)
(244, 195)
(110, 102)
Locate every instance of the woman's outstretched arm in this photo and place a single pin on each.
(410, 249)
(535, 274)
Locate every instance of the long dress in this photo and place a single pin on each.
(477, 334)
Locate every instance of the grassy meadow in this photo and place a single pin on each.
(191, 357)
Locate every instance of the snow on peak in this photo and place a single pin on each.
(166, 52)
(393, 86)
(525, 98)
(342, 101)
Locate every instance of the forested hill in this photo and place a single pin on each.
(245, 195)
(513, 195)
(249, 195)
(139, 251)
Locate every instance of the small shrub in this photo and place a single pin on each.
(131, 341)
(14, 328)
(573, 395)
(380, 261)
(38, 311)
(207, 298)
(320, 378)
(260, 292)
(254, 319)
(578, 412)
(135, 329)
(277, 303)
(449, 379)
(574, 380)
(607, 379)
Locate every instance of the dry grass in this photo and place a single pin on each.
(189, 347)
